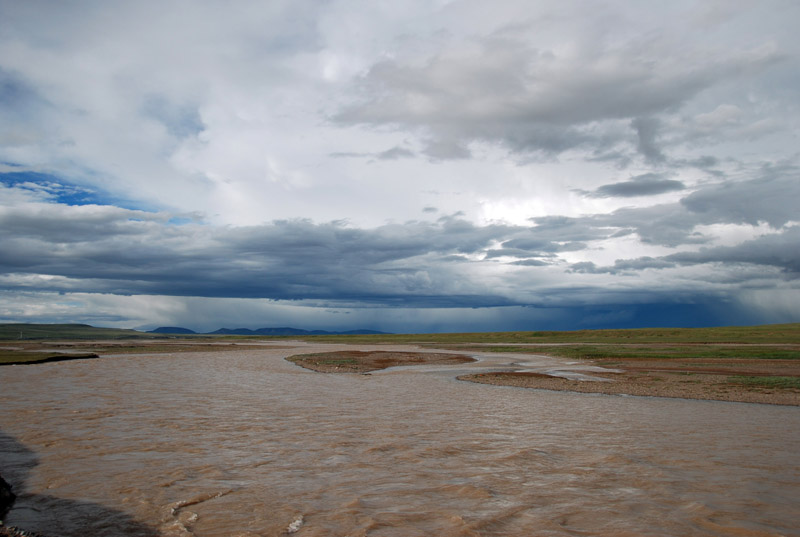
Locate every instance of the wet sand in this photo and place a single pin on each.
(655, 384)
(366, 361)
(717, 380)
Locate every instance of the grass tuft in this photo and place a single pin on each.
(779, 383)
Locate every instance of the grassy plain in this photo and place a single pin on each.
(770, 334)
(23, 332)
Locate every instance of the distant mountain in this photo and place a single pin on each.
(22, 331)
(287, 331)
(171, 330)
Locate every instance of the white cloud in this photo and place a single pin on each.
(558, 132)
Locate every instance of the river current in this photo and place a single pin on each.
(245, 444)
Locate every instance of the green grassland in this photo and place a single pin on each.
(767, 383)
(610, 351)
(771, 334)
(765, 342)
(22, 332)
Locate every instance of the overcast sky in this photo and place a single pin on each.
(425, 165)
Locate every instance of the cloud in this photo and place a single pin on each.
(416, 159)
(769, 198)
(765, 199)
(648, 184)
(395, 153)
(90, 248)
(766, 261)
(502, 89)
(104, 248)
(647, 133)
(776, 250)
(446, 150)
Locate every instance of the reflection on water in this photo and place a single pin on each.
(246, 444)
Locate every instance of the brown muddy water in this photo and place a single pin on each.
(246, 444)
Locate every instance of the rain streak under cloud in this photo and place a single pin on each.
(414, 166)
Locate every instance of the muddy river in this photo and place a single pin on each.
(246, 444)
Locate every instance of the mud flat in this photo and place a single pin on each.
(365, 361)
(748, 381)
(740, 380)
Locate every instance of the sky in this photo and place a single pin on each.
(416, 166)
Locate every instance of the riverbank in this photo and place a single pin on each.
(42, 358)
(774, 382)
(746, 380)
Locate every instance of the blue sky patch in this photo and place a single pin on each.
(60, 191)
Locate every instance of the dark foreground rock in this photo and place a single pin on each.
(6, 499)
(10, 531)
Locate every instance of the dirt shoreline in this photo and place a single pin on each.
(709, 379)
(740, 380)
(54, 358)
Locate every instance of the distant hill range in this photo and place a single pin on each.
(27, 331)
(171, 330)
(22, 331)
(281, 331)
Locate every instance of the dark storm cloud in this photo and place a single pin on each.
(777, 251)
(50, 247)
(104, 249)
(771, 198)
(649, 184)
(561, 229)
(622, 266)
(524, 248)
(530, 263)
(642, 263)
(416, 264)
